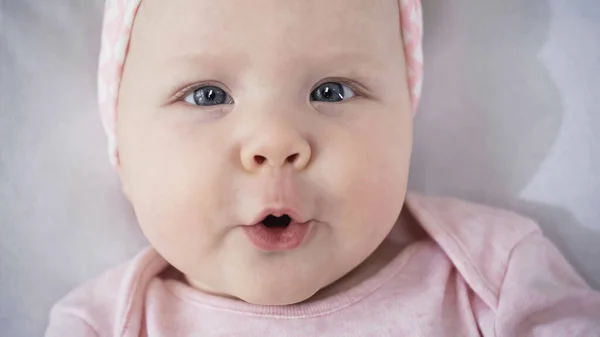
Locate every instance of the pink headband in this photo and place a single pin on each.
(116, 31)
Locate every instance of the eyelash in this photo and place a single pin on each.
(181, 94)
(360, 90)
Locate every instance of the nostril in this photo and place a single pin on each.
(262, 159)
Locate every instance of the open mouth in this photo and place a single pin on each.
(272, 221)
(279, 232)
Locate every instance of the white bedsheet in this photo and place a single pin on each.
(509, 117)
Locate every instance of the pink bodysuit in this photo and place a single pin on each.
(476, 271)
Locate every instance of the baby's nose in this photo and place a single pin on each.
(276, 147)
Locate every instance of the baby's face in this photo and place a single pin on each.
(232, 108)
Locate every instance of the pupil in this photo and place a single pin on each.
(328, 92)
(211, 95)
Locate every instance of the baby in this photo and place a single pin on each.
(265, 148)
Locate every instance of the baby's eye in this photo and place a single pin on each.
(207, 96)
(331, 92)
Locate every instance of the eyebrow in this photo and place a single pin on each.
(199, 58)
(325, 57)
(354, 58)
(358, 66)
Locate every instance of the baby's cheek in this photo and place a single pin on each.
(178, 218)
(367, 182)
(177, 183)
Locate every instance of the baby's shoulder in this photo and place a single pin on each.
(101, 302)
(478, 239)
(474, 225)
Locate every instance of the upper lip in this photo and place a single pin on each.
(277, 212)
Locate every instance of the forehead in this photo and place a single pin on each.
(269, 28)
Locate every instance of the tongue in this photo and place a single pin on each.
(277, 238)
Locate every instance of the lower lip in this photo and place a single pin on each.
(278, 239)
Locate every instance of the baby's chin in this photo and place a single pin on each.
(267, 292)
(285, 296)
